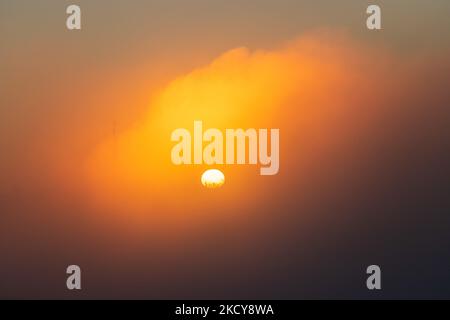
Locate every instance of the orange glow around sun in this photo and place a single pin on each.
(302, 88)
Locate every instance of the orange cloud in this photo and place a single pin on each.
(328, 95)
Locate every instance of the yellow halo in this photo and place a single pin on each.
(213, 178)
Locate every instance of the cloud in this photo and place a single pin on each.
(340, 106)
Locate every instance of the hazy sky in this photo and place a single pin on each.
(41, 61)
(367, 186)
(168, 37)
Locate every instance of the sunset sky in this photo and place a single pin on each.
(85, 170)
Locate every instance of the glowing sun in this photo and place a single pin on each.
(213, 178)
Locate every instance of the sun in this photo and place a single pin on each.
(213, 178)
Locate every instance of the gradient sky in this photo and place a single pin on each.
(161, 39)
(364, 171)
